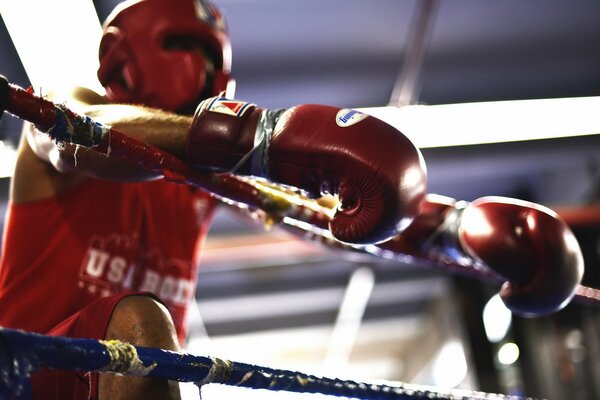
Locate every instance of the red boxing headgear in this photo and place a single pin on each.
(137, 67)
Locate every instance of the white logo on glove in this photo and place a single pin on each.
(347, 117)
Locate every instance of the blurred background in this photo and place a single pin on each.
(269, 298)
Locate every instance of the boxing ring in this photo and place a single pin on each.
(22, 353)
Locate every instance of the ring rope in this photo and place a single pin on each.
(298, 214)
(22, 353)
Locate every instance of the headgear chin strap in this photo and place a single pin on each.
(146, 57)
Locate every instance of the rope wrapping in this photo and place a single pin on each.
(77, 129)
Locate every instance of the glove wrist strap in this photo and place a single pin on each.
(258, 156)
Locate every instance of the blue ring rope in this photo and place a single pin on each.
(22, 353)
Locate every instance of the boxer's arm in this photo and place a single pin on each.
(164, 130)
(46, 169)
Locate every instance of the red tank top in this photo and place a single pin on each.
(100, 238)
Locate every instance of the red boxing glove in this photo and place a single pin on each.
(377, 173)
(524, 244)
(530, 246)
